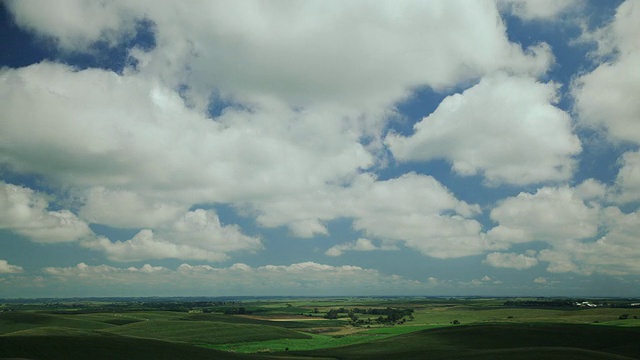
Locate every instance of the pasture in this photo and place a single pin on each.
(359, 328)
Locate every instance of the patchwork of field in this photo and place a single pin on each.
(299, 329)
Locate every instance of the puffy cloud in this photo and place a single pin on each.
(615, 253)
(357, 245)
(73, 24)
(6, 268)
(419, 212)
(197, 235)
(289, 149)
(145, 150)
(540, 280)
(539, 9)
(414, 209)
(24, 211)
(121, 208)
(307, 277)
(510, 260)
(86, 271)
(604, 97)
(592, 189)
(627, 187)
(360, 54)
(551, 214)
(505, 128)
(583, 236)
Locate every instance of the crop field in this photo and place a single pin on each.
(322, 328)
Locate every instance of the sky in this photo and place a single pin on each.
(312, 148)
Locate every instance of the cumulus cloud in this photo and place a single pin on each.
(357, 245)
(68, 22)
(25, 212)
(197, 235)
(582, 235)
(627, 187)
(147, 151)
(415, 210)
(122, 208)
(616, 110)
(353, 59)
(510, 260)
(6, 268)
(540, 280)
(306, 277)
(306, 82)
(615, 253)
(505, 128)
(539, 9)
(551, 214)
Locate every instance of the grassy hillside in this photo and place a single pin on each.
(59, 343)
(504, 341)
(288, 329)
(16, 321)
(205, 332)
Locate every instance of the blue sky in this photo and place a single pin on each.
(319, 148)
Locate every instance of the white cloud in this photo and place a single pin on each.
(121, 208)
(144, 149)
(6, 268)
(73, 23)
(357, 245)
(615, 253)
(311, 80)
(606, 97)
(540, 280)
(415, 210)
(505, 128)
(24, 211)
(627, 187)
(551, 214)
(510, 260)
(307, 277)
(583, 236)
(539, 9)
(197, 235)
(360, 54)
(591, 189)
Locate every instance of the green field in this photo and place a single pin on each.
(296, 329)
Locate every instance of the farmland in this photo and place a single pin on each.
(332, 328)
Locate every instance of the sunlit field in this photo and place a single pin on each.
(349, 328)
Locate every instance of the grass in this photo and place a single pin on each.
(482, 340)
(320, 341)
(205, 332)
(49, 346)
(16, 321)
(312, 343)
(488, 330)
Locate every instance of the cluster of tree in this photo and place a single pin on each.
(626, 316)
(236, 311)
(541, 303)
(385, 316)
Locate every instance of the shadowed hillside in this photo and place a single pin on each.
(503, 341)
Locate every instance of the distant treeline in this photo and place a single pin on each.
(385, 315)
(87, 308)
(541, 303)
